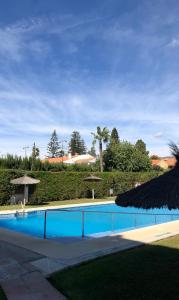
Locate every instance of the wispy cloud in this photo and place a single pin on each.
(79, 71)
(174, 43)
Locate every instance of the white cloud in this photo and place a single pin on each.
(174, 43)
(72, 96)
(158, 134)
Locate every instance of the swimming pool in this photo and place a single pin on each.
(93, 220)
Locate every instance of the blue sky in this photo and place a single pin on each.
(69, 65)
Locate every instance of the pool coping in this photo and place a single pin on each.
(6, 212)
(58, 256)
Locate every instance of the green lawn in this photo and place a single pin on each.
(56, 203)
(149, 272)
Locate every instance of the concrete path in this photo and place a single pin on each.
(30, 286)
(19, 278)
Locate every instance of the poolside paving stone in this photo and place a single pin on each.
(31, 286)
(49, 265)
(19, 278)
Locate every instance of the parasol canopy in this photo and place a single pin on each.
(26, 181)
(93, 178)
(162, 191)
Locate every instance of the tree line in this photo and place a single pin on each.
(121, 155)
(75, 146)
(118, 154)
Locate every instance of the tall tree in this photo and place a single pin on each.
(53, 147)
(35, 151)
(102, 136)
(126, 157)
(114, 138)
(141, 146)
(35, 155)
(92, 151)
(77, 144)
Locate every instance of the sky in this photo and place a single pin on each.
(75, 65)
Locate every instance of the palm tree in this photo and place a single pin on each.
(102, 136)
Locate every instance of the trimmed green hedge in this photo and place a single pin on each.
(70, 185)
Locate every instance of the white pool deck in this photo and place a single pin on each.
(3, 212)
(25, 260)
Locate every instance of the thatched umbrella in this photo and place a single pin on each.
(92, 178)
(26, 181)
(162, 191)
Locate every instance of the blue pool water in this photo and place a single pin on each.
(98, 220)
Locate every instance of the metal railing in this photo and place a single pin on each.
(83, 213)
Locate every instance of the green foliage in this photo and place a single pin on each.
(15, 162)
(154, 157)
(126, 157)
(141, 147)
(35, 152)
(70, 185)
(27, 163)
(53, 148)
(102, 136)
(157, 168)
(77, 144)
(114, 138)
(92, 150)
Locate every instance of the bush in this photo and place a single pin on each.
(70, 185)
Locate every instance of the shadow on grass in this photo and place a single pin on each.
(150, 272)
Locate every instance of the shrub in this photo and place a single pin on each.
(70, 185)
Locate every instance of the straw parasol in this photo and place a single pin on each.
(26, 181)
(92, 178)
(162, 191)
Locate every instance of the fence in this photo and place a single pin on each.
(83, 223)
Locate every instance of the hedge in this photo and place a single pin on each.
(69, 185)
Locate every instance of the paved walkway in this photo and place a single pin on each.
(21, 280)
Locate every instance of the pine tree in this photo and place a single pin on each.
(53, 146)
(114, 136)
(141, 146)
(34, 156)
(77, 144)
(35, 151)
(83, 147)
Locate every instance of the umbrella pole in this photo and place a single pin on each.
(93, 194)
(26, 191)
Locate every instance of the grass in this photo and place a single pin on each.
(149, 272)
(56, 203)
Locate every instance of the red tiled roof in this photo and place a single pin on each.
(170, 161)
(155, 162)
(55, 160)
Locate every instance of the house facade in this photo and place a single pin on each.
(164, 162)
